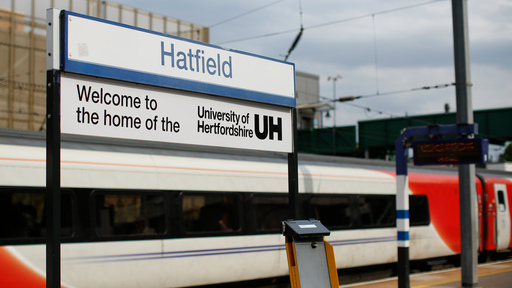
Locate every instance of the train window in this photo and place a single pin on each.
(377, 210)
(24, 213)
(269, 211)
(418, 210)
(501, 201)
(333, 211)
(210, 213)
(129, 214)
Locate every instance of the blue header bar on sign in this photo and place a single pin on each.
(107, 49)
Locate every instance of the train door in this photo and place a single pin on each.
(502, 217)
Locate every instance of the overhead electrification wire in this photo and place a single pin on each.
(298, 35)
(350, 98)
(368, 109)
(345, 99)
(372, 14)
(330, 23)
(245, 13)
(256, 37)
(406, 91)
(294, 43)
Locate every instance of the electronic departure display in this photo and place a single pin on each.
(451, 151)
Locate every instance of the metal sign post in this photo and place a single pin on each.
(454, 157)
(52, 198)
(468, 200)
(293, 174)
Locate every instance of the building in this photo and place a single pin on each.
(308, 101)
(23, 51)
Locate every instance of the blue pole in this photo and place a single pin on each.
(402, 182)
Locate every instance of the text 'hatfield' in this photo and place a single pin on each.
(196, 61)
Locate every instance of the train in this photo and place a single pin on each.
(139, 214)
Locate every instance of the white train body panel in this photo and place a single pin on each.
(189, 261)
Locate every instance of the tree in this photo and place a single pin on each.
(507, 155)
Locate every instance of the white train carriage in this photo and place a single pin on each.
(135, 216)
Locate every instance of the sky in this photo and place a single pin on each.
(383, 50)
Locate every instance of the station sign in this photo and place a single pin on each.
(450, 151)
(106, 49)
(126, 82)
(109, 108)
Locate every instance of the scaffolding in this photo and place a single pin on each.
(23, 50)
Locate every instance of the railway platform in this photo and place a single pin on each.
(490, 275)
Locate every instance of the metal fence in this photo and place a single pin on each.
(23, 50)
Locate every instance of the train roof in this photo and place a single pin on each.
(38, 139)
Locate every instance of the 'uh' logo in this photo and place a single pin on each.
(269, 127)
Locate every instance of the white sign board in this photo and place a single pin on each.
(108, 108)
(107, 49)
